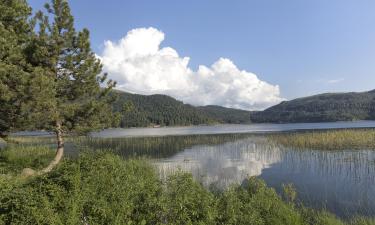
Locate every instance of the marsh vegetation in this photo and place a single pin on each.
(342, 139)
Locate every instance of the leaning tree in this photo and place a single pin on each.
(68, 92)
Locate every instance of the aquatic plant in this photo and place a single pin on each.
(327, 139)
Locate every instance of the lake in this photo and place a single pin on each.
(228, 128)
(341, 181)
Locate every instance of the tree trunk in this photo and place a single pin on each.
(59, 151)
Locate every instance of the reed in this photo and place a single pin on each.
(154, 146)
(327, 140)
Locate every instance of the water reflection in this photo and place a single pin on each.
(341, 181)
(223, 164)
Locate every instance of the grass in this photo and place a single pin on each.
(103, 188)
(14, 158)
(327, 140)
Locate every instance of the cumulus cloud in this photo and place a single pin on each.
(140, 65)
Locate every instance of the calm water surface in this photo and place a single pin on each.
(341, 181)
(229, 128)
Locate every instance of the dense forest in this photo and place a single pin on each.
(142, 110)
(226, 115)
(321, 108)
(148, 110)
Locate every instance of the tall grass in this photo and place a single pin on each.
(327, 140)
(14, 158)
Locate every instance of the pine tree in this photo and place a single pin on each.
(15, 32)
(69, 91)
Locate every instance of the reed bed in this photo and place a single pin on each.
(344, 139)
(154, 146)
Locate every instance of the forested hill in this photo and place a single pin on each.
(226, 115)
(321, 108)
(148, 110)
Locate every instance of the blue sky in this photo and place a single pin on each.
(305, 47)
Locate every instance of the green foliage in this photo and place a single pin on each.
(96, 188)
(255, 202)
(187, 202)
(15, 34)
(321, 108)
(49, 76)
(101, 188)
(71, 74)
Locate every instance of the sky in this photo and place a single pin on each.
(246, 54)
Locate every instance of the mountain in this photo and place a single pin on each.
(148, 110)
(321, 108)
(226, 115)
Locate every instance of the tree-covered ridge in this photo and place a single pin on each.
(321, 108)
(226, 115)
(142, 110)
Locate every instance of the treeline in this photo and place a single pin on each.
(321, 108)
(142, 111)
(226, 115)
(148, 110)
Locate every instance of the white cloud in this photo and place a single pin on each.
(139, 65)
(335, 81)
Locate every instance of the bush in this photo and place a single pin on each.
(187, 202)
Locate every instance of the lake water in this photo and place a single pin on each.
(341, 181)
(229, 128)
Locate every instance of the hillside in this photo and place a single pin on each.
(226, 115)
(321, 108)
(147, 110)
